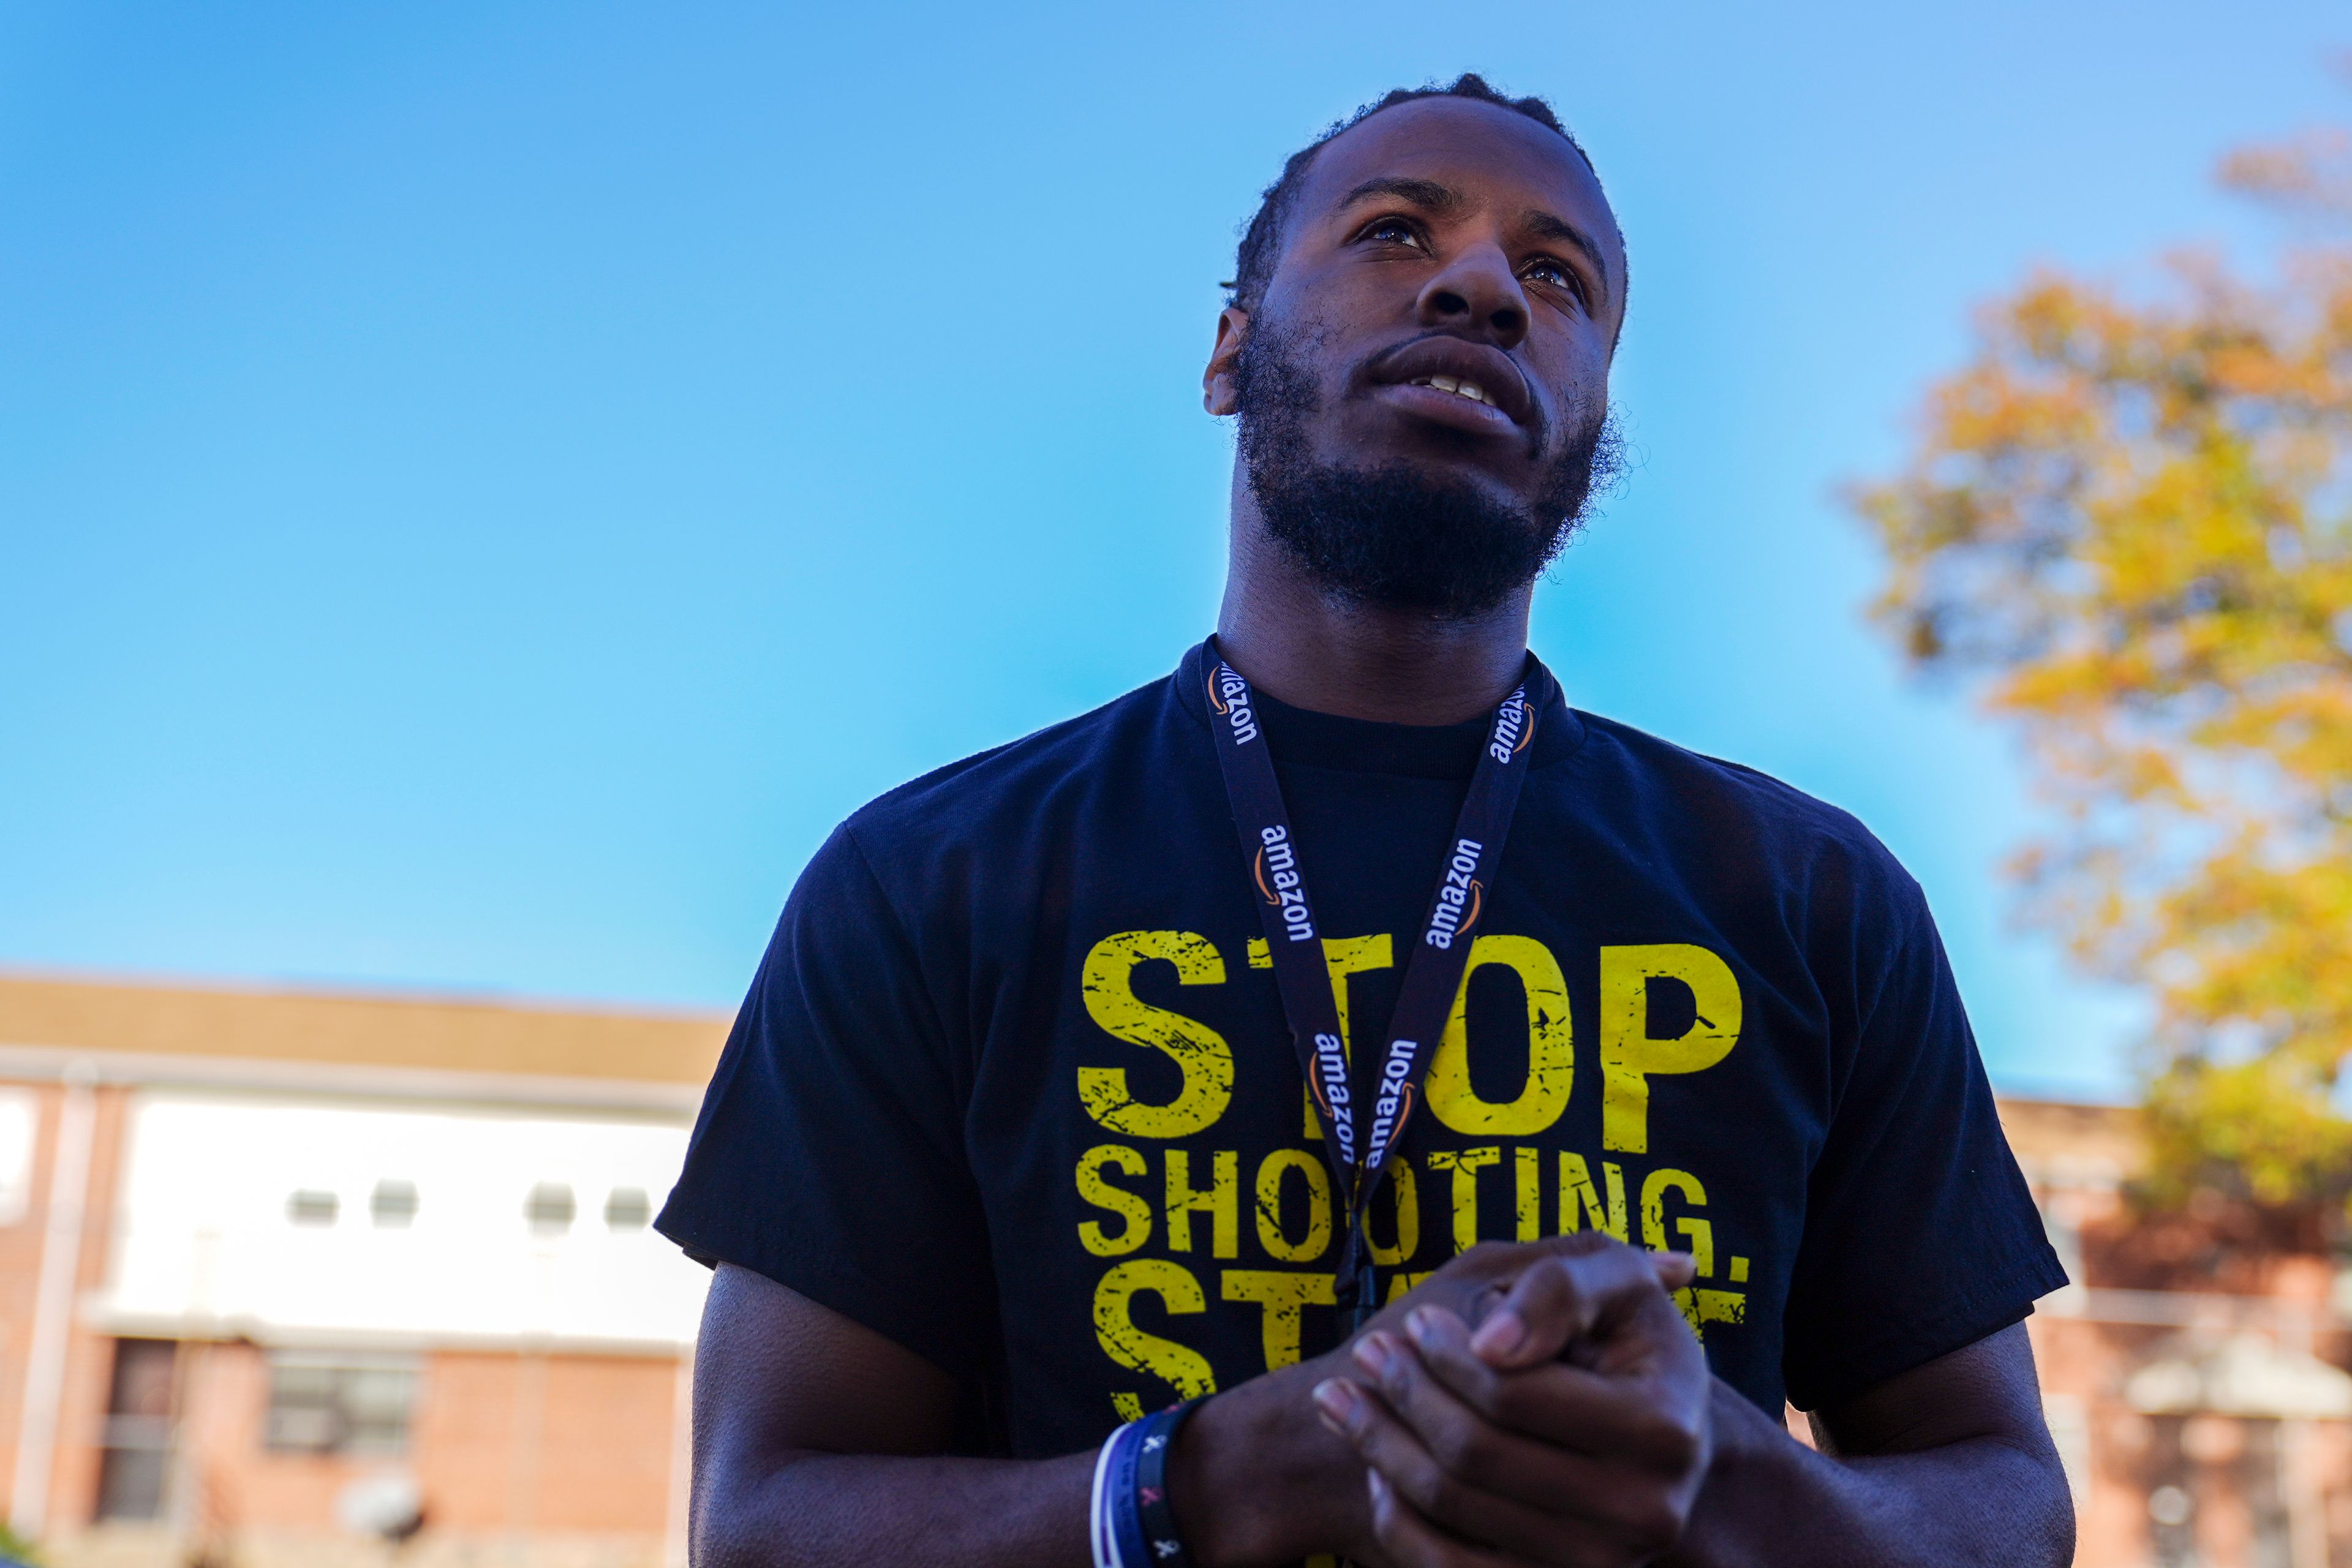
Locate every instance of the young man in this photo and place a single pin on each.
(1039, 1114)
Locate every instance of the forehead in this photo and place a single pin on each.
(1489, 154)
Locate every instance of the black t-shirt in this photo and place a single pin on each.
(1012, 1086)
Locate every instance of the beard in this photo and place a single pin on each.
(1392, 535)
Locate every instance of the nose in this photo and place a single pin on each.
(1476, 294)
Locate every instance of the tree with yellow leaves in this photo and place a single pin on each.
(2132, 520)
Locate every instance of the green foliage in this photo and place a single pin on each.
(2131, 523)
(15, 1548)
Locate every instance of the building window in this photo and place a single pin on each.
(328, 1404)
(310, 1206)
(394, 1204)
(137, 1456)
(19, 1118)
(628, 1209)
(550, 1208)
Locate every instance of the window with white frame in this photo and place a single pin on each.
(326, 1404)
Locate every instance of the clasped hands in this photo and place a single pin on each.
(1541, 1405)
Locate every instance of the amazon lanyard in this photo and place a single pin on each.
(1358, 1146)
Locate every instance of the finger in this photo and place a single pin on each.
(1561, 1298)
(1483, 1273)
(1615, 1466)
(1483, 1482)
(1443, 1340)
(1452, 1517)
(1412, 1542)
(1674, 1269)
(1481, 1287)
(1459, 1439)
(1647, 1421)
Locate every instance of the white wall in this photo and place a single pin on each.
(202, 1234)
(19, 1121)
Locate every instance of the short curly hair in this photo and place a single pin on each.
(1262, 241)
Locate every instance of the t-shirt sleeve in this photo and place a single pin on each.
(1920, 1235)
(829, 1153)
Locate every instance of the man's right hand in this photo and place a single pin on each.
(1571, 1427)
(1258, 1477)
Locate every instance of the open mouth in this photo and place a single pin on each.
(1469, 389)
(1474, 372)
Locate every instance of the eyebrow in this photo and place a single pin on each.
(1433, 198)
(1425, 194)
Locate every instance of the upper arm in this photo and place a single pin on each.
(1982, 1391)
(829, 1155)
(1920, 1236)
(775, 1375)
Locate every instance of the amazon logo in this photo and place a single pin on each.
(1515, 726)
(1278, 882)
(1459, 897)
(1229, 695)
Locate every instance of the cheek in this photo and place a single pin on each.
(1594, 346)
(1575, 371)
(1340, 311)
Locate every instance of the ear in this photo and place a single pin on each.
(1217, 390)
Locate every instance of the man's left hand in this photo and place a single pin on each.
(1568, 1428)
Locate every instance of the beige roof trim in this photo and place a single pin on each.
(322, 1028)
(333, 1080)
(270, 1336)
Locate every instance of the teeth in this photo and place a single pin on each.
(1469, 389)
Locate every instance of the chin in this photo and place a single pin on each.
(1406, 535)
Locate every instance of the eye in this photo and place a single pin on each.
(1557, 274)
(1391, 231)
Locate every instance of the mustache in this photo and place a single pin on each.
(1391, 532)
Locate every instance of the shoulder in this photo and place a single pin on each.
(1727, 809)
(1026, 783)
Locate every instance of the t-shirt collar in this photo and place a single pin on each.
(1303, 737)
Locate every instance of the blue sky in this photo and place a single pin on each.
(483, 489)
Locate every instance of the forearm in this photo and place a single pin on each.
(1770, 1500)
(816, 1510)
(1254, 1479)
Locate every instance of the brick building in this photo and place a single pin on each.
(286, 1278)
(2193, 1373)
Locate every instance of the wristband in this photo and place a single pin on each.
(1098, 1534)
(1155, 1516)
(1124, 1521)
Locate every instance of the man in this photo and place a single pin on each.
(1013, 1142)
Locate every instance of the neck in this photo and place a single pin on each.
(1297, 641)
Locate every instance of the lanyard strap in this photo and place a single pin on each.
(1357, 1145)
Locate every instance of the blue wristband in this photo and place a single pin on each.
(1120, 1496)
(1155, 1518)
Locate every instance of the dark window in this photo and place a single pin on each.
(138, 1441)
(325, 1405)
(628, 1209)
(551, 1208)
(394, 1204)
(310, 1206)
